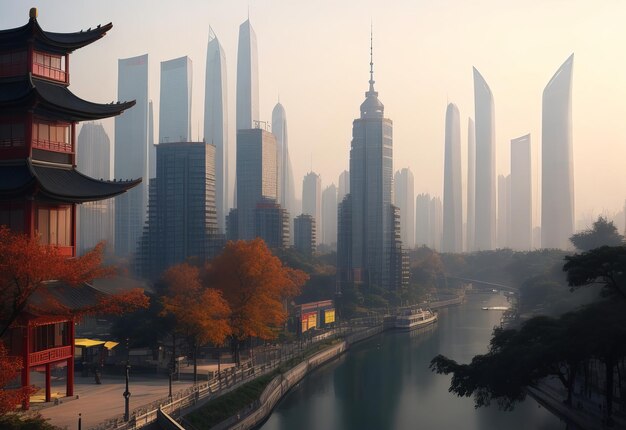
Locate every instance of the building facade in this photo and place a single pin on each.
(304, 234)
(271, 223)
(344, 185)
(470, 224)
(521, 214)
(175, 100)
(404, 197)
(247, 78)
(286, 185)
(452, 184)
(329, 216)
(557, 160)
(422, 220)
(504, 211)
(312, 200)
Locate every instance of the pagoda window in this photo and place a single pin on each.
(49, 66)
(12, 133)
(48, 336)
(54, 226)
(13, 63)
(52, 136)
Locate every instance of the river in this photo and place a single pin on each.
(385, 383)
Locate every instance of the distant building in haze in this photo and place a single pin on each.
(404, 196)
(557, 166)
(247, 78)
(436, 224)
(304, 234)
(344, 241)
(286, 185)
(521, 214)
(95, 219)
(470, 224)
(216, 122)
(485, 170)
(422, 220)
(329, 216)
(182, 221)
(504, 210)
(151, 143)
(175, 100)
(312, 200)
(452, 184)
(256, 176)
(131, 153)
(344, 185)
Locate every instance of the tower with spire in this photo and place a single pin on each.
(374, 242)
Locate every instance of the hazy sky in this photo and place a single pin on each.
(315, 54)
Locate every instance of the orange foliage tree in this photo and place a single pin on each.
(27, 267)
(201, 314)
(9, 367)
(256, 285)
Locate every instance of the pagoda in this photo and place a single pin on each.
(39, 183)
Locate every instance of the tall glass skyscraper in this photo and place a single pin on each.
(247, 78)
(286, 186)
(175, 104)
(521, 215)
(312, 200)
(329, 216)
(471, 186)
(404, 197)
(485, 202)
(452, 184)
(557, 165)
(131, 153)
(216, 122)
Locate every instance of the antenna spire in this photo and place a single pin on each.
(371, 57)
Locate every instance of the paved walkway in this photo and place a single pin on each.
(97, 403)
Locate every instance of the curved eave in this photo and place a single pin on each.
(69, 185)
(60, 43)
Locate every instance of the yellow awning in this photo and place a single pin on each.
(88, 343)
(110, 344)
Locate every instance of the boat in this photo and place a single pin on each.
(410, 319)
(495, 308)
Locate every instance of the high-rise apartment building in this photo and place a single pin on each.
(312, 200)
(329, 216)
(557, 160)
(271, 223)
(175, 101)
(304, 234)
(131, 153)
(404, 196)
(485, 171)
(452, 184)
(521, 215)
(216, 122)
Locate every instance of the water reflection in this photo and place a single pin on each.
(385, 383)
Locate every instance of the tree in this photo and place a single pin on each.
(9, 367)
(256, 285)
(26, 267)
(602, 233)
(200, 313)
(605, 266)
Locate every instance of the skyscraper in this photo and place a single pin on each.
(271, 223)
(216, 122)
(286, 186)
(504, 210)
(131, 153)
(151, 143)
(247, 78)
(329, 216)
(256, 176)
(312, 200)
(557, 166)
(471, 186)
(181, 221)
(485, 198)
(175, 101)
(305, 234)
(95, 219)
(405, 202)
(452, 184)
(520, 238)
(422, 220)
(344, 185)
(436, 225)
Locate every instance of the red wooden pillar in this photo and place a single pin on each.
(48, 396)
(26, 363)
(69, 389)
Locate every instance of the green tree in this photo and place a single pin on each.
(602, 233)
(605, 266)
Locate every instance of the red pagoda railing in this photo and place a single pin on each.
(52, 145)
(49, 72)
(50, 355)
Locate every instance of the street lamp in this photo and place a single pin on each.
(126, 393)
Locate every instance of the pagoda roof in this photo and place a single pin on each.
(54, 100)
(59, 182)
(59, 43)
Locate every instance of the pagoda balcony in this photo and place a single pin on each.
(52, 145)
(55, 74)
(50, 355)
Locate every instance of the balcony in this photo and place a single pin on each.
(49, 72)
(52, 145)
(50, 355)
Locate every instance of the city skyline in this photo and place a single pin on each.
(518, 109)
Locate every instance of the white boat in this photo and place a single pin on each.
(410, 319)
(495, 308)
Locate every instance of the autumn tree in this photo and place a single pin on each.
(201, 314)
(27, 267)
(9, 367)
(256, 285)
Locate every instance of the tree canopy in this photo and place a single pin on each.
(602, 233)
(604, 266)
(9, 367)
